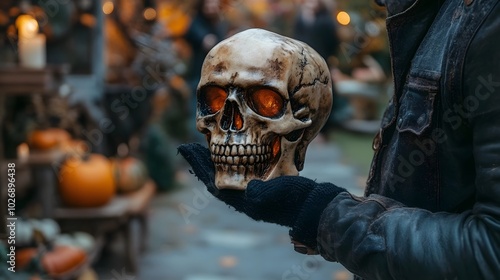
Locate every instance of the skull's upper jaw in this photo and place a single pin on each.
(239, 162)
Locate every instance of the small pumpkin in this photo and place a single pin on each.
(86, 181)
(63, 259)
(130, 174)
(24, 257)
(46, 139)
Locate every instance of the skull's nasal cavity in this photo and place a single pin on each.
(231, 118)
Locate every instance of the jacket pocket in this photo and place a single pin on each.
(417, 102)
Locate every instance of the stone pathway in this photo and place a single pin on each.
(193, 236)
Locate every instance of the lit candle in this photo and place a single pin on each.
(23, 152)
(31, 44)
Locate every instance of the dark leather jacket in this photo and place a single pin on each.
(432, 204)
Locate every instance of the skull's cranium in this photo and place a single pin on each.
(262, 98)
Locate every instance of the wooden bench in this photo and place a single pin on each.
(116, 216)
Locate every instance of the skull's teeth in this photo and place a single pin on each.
(240, 160)
(241, 154)
(240, 150)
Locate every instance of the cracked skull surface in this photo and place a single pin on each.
(262, 98)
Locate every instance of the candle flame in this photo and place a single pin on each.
(23, 151)
(27, 26)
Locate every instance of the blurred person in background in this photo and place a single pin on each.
(315, 26)
(204, 32)
(431, 208)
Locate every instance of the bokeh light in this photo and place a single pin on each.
(108, 7)
(149, 14)
(343, 18)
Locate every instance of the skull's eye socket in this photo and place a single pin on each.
(212, 99)
(266, 102)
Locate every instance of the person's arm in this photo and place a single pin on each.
(378, 238)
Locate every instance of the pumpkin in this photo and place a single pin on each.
(86, 181)
(63, 259)
(24, 256)
(46, 139)
(130, 174)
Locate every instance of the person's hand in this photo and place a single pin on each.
(292, 201)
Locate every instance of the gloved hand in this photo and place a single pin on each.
(292, 201)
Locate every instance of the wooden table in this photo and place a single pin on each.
(116, 216)
(15, 81)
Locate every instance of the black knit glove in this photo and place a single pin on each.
(292, 201)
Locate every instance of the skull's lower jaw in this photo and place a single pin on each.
(238, 164)
(230, 181)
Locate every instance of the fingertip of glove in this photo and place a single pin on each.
(191, 149)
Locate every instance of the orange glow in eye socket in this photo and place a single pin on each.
(276, 146)
(267, 103)
(215, 98)
(238, 121)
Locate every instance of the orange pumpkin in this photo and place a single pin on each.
(130, 174)
(86, 181)
(45, 139)
(24, 256)
(56, 262)
(63, 259)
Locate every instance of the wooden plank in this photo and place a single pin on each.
(120, 206)
(116, 208)
(12, 78)
(139, 200)
(15, 80)
(28, 90)
(52, 157)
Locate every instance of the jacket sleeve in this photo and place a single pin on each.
(378, 238)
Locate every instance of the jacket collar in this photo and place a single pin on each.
(396, 6)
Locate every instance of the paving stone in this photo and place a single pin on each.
(214, 242)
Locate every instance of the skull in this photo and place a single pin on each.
(262, 98)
